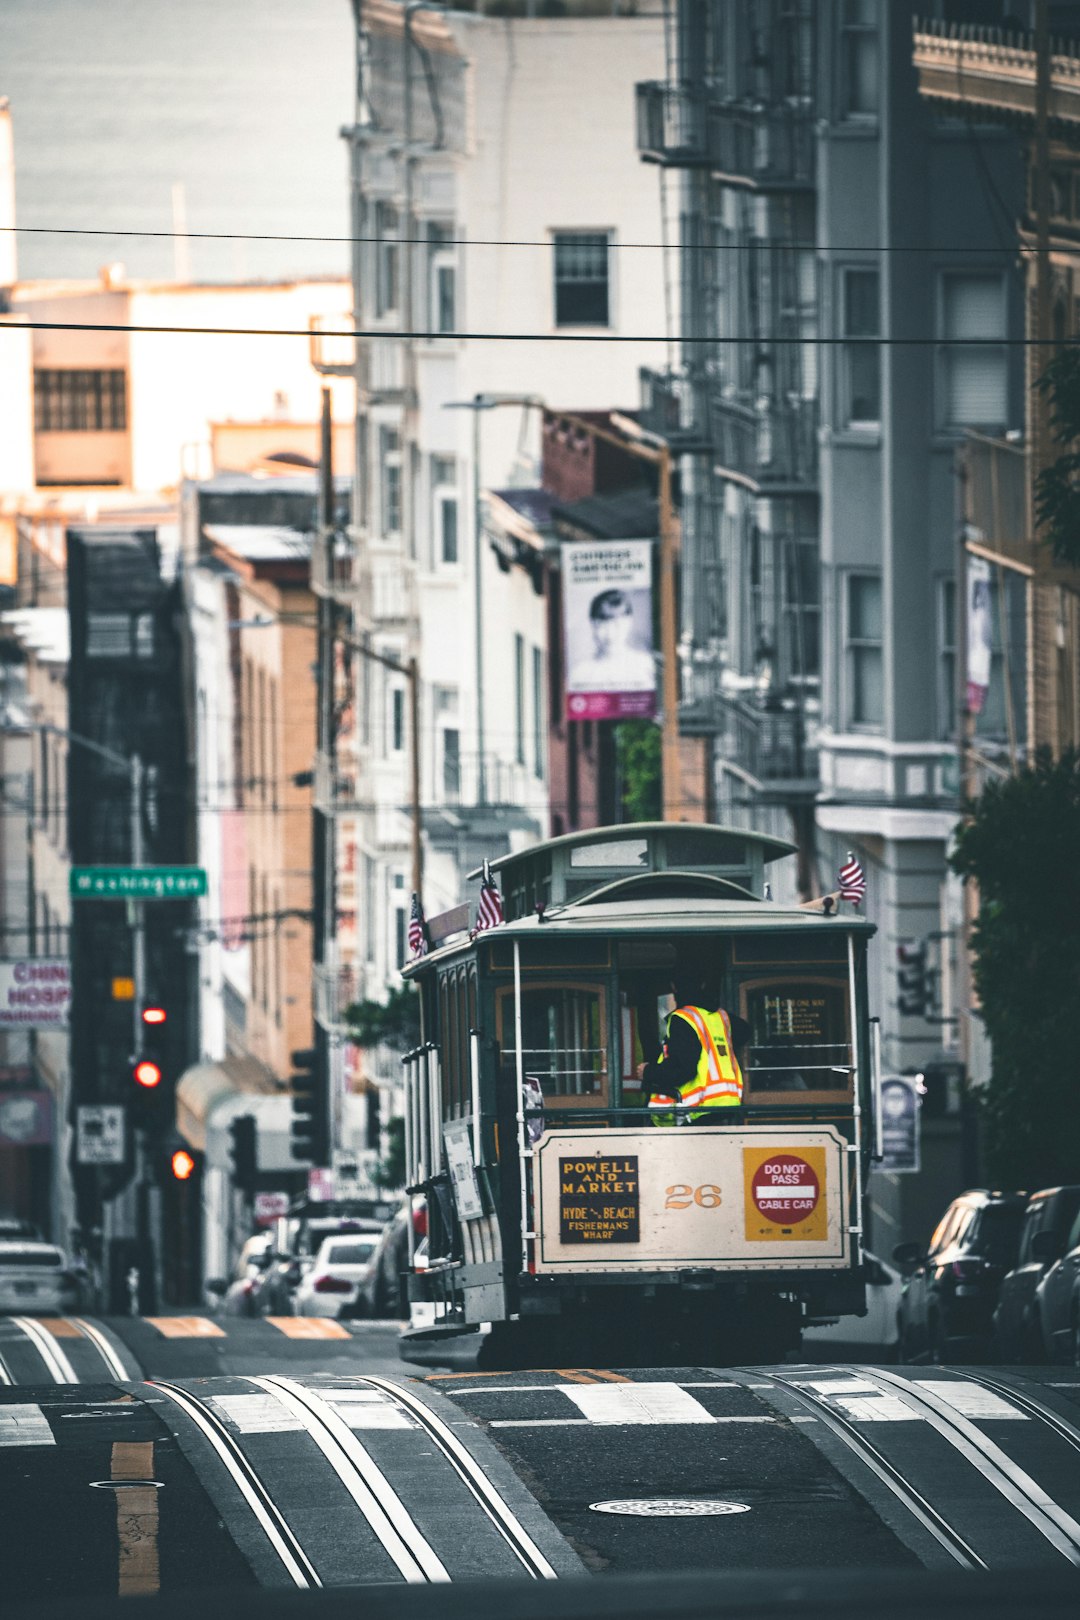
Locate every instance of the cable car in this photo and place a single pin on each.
(560, 1216)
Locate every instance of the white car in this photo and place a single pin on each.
(331, 1286)
(34, 1279)
(872, 1337)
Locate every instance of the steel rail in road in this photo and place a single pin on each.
(1028, 1403)
(473, 1478)
(381, 1506)
(108, 1352)
(56, 1362)
(278, 1532)
(1048, 1517)
(856, 1441)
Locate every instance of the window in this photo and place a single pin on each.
(860, 383)
(858, 59)
(866, 690)
(519, 699)
(442, 278)
(973, 376)
(538, 712)
(563, 1037)
(80, 401)
(387, 258)
(445, 503)
(581, 278)
(798, 1034)
(451, 763)
(397, 718)
(390, 480)
(947, 658)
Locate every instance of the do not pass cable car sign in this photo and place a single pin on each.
(785, 1194)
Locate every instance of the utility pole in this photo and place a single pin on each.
(324, 823)
(1041, 696)
(478, 604)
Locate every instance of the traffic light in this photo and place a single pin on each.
(154, 1017)
(310, 1130)
(182, 1165)
(149, 1097)
(244, 1152)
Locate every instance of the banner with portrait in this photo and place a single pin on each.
(608, 630)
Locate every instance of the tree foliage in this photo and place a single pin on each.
(1057, 488)
(1020, 847)
(394, 1022)
(637, 746)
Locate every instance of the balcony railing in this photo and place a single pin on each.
(338, 577)
(672, 407)
(380, 369)
(770, 147)
(337, 986)
(772, 750)
(773, 443)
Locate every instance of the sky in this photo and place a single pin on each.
(241, 101)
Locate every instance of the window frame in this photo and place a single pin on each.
(864, 428)
(519, 698)
(80, 399)
(391, 462)
(387, 259)
(504, 1027)
(562, 236)
(444, 493)
(848, 34)
(538, 712)
(854, 645)
(948, 350)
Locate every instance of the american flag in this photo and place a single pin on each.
(418, 942)
(489, 912)
(852, 880)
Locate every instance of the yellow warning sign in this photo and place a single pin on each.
(785, 1194)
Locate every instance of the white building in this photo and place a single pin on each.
(496, 195)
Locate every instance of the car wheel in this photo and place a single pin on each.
(1031, 1345)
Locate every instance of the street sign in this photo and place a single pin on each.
(900, 1123)
(270, 1206)
(99, 1133)
(137, 882)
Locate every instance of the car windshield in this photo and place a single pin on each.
(996, 1234)
(350, 1254)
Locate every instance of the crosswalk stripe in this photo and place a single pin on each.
(185, 1327)
(309, 1327)
(25, 1424)
(638, 1403)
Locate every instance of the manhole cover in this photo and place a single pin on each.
(669, 1507)
(127, 1484)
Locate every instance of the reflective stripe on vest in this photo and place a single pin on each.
(718, 1081)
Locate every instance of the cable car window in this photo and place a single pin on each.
(563, 1037)
(798, 1034)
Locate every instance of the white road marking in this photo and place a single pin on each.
(636, 1403)
(256, 1414)
(108, 1351)
(49, 1350)
(543, 1389)
(877, 1409)
(368, 1409)
(25, 1425)
(838, 1386)
(362, 1478)
(971, 1400)
(585, 1423)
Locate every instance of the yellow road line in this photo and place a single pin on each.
(309, 1327)
(185, 1327)
(610, 1377)
(60, 1327)
(138, 1568)
(573, 1376)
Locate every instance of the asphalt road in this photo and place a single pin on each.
(174, 1454)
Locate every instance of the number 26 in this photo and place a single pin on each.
(680, 1196)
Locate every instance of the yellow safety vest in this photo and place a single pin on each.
(718, 1082)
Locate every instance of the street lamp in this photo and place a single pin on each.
(478, 403)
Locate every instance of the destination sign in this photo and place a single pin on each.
(599, 1200)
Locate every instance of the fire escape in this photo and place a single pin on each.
(736, 119)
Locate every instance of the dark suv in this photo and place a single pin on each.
(950, 1290)
(1047, 1223)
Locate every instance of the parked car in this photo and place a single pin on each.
(13, 1226)
(34, 1279)
(1058, 1301)
(951, 1288)
(331, 1285)
(872, 1337)
(1048, 1220)
(383, 1294)
(277, 1284)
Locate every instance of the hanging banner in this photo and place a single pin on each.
(607, 621)
(35, 993)
(980, 635)
(900, 1124)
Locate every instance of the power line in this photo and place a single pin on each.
(755, 339)
(751, 246)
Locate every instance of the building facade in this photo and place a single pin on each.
(842, 247)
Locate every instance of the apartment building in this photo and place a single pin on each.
(848, 243)
(494, 186)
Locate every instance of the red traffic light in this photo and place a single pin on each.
(183, 1165)
(154, 1015)
(147, 1074)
